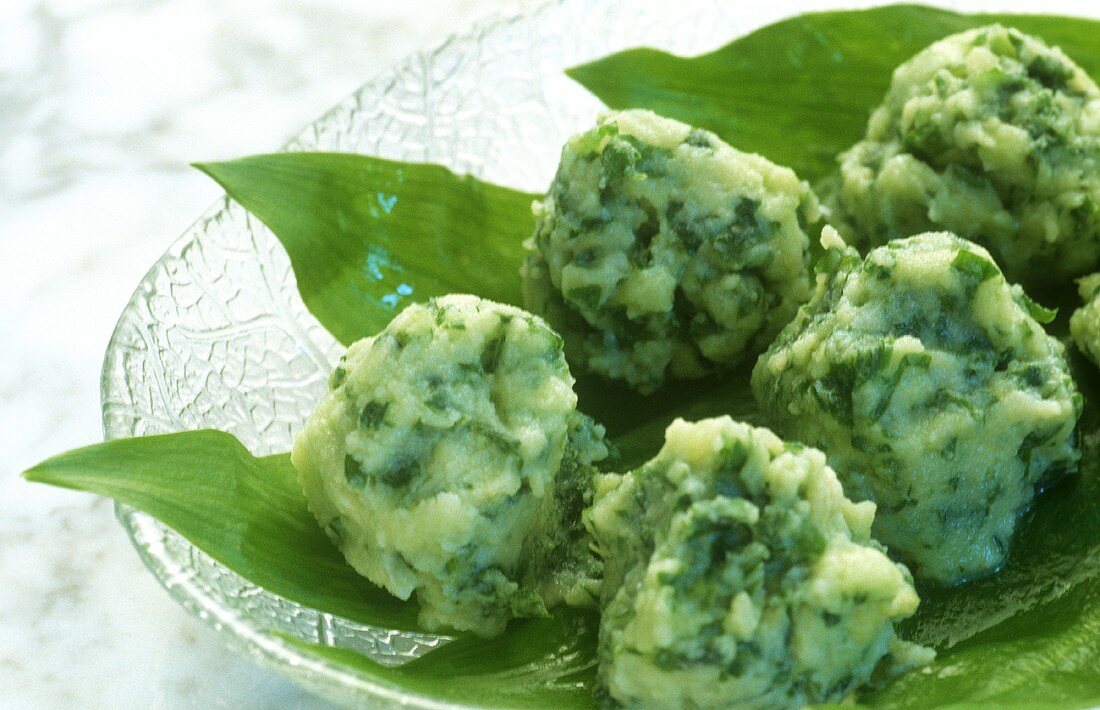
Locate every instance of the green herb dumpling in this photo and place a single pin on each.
(448, 459)
(739, 576)
(660, 251)
(992, 135)
(1084, 325)
(935, 392)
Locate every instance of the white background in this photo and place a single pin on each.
(103, 103)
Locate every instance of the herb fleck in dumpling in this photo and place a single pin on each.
(661, 251)
(929, 383)
(449, 460)
(739, 576)
(992, 135)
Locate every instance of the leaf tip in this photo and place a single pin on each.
(205, 167)
(575, 71)
(45, 473)
(216, 171)
(587, 74)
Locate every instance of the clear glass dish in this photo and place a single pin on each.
(216, 336)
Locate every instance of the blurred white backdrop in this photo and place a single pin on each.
(103, 103)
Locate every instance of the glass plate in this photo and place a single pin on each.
(216, 336)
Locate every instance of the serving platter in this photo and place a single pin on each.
(216, 334)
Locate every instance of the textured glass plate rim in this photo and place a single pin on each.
(317, 675)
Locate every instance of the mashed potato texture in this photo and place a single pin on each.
(1084, 325)
(660, 251)
(994, 136)
(935, 392)
(448, 460)
(739, 576)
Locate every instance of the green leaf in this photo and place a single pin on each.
(976, 268)
(800, 91)
(1038, 311)
(537, 663)
(246, 512)
(367, 236)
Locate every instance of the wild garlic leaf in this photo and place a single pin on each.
(800, 91)
(537, 663)
(246, 512)
(367, 236)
